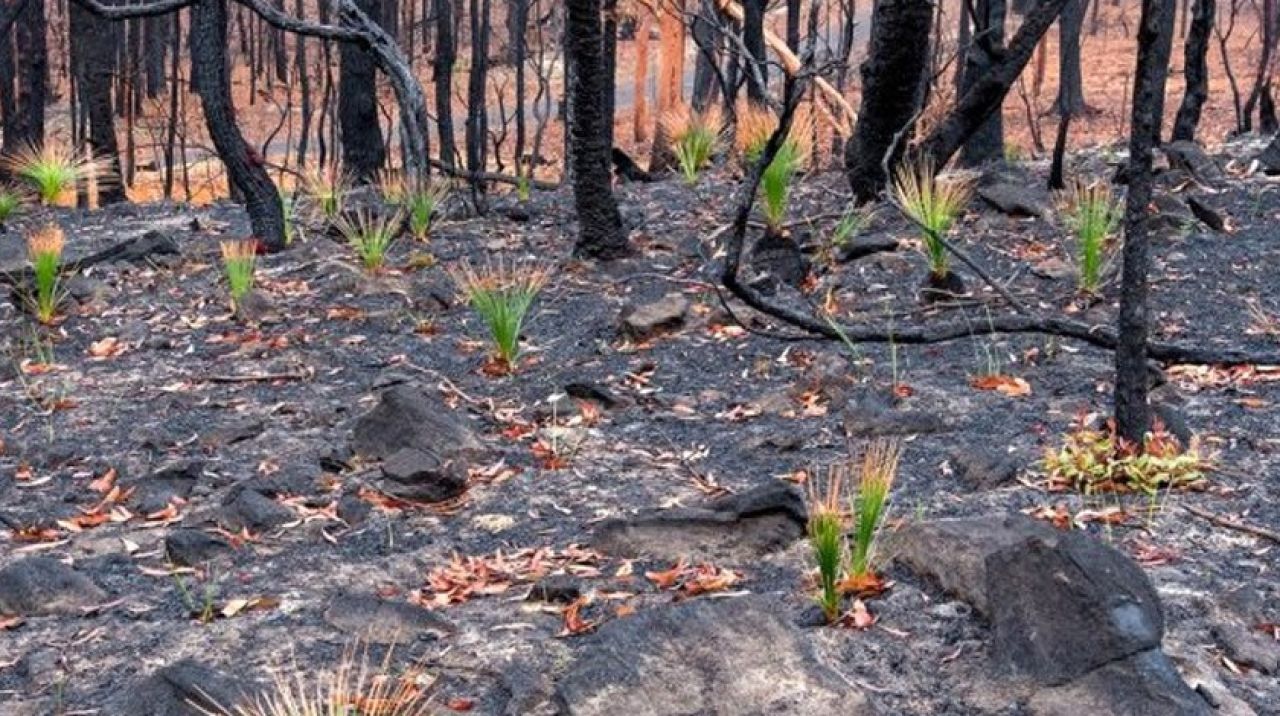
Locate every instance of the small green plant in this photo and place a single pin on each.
(10, 202)
(292, 227)
(502, 296)
(851, 223)
(775, 182)
(370, 235)
(422, 205)
(239, 261)
(1093, 460)
(1092, 214)
(202, 610)
(524, 187)
(44, 251)
(392, 186)
(695, 136)
(933, 204)
(878, 470)
(328, 188)
(53, 169)
(826, 539)
(1013, 154)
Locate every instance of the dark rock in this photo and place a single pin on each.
(1054, 269)
(649, 320)
(1189, 157)
(865, 245)
(154, 492)
(1144, 684)
(1247, 647)
(714, 657)
(595, 393)
(422, 476)
(953, 553)
(1207, 215)
(984, 468)
(380, 621)
(556, 589)
(1016, 199)
(937, 289)
(408, 417)
(869, 415)
(1173, 420)
(232, 433)
(778, 256)
(353, 510)
(193, 548)
(1172, 216)
(84, 289)
(139, 250)
(186, 688)
(254, 511)
(1063, 607)
(737, 527)
(255, 307)
(40, 586)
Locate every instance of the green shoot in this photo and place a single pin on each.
(328, 189)
(775, 182)
(879, 468)
(289, 208)
(370, 235)
(826, 539)
(239, 260)
(392, 186)
(1092, 213)
(44, 250)
(53, 169)
(524, 187)
(694, 137)
(10, 202)
(849, 226)
(422, 205)
(502, 296)
(933, 204)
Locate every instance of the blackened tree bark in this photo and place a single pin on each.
(986, 45)
(26, 124)
(208, 41)
(518, 24)
(1196, 70)
(156, 40)
(893, 79)
(1263, 76)
(93, 59)
(442, 73)
(793, 25)
(609, 48)
(1132, 412)
(1070, 80)
(363, 151)
(600, 231)
(706, 37)
(477, 105)
(988, 92)
(753, 42)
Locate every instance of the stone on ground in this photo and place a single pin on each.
(41, 586)
(649, 320)
(409, 417)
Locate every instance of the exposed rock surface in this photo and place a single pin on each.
(649, 320)
(186, 688)
(408, 417)
(41, 586)
(373, 619)
(413, 474)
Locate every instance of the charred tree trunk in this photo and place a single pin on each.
(987, 45)
(26, 125)
(600, 231)
(245, 170)
(1070, 80)
(518, 24)
(1196, 70)
(304, 89)
(753, 42)
(706, 38)
(93, 58)
(156, 41)
(893, 78)
(442, 74)
(609, 48)
(988, 92)
(1132, 412)
(363, 150)
(477, 105)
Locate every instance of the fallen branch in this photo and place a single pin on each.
(259, 377)
(1233, 524)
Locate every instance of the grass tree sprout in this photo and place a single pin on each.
(10, 201)
(1092, 213)
(422, 203)
(875, 480)
(328, 188)
(53, 169)
(239, 262)
(695, 136)
(44, 250)
(934, 204)
(502, 296)
(826, 540)
(370, 234)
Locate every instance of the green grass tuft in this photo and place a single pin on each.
(370, 235)
(1092, 213)
(239, 263)
(44, 250)
(933, 204)
(502, 296)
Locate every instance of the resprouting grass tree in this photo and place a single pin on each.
(502, 296)
(695, 137)
(1092, 213)
(328, 189)
(826, 540)
(933, 204)
(370, 234)
(877, 473)
(53, 169)
(421, 204)
(44, 251)
(239, 263)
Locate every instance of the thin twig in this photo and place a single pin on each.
(1233, 524)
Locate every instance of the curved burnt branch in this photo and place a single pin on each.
(131, 10)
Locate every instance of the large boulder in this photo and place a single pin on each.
(1145, 684)
(408, 417)
(40, 586)
(412, 474)
(737, 527)
(726, 657)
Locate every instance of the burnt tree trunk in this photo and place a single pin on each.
(156, 40)
(893, 79)
(609, 49)
(706, 37)
(518, 24)
(753, 42)
(1132, 411)
(1196, 70)
(93, 58)
(442, 74)
(987, 44)
(600, 231)
(988, 92)
(1070, 80)
(363, 150)
(477, 105)
(26, 124)
(245, 170)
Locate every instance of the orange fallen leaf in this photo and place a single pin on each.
(1008, 385)
(108, 347)
(461, 703)
(574, 624)
(666, 579)
(105, 482)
